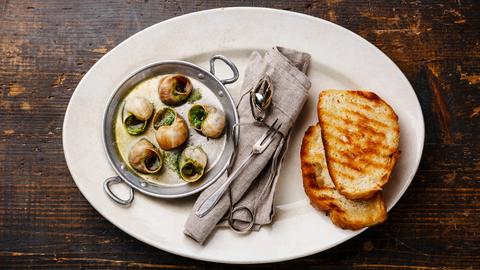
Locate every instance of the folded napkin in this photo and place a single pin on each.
(287, 70)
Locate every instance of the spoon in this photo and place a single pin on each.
(261, 98)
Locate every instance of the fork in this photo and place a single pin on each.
(257, 149)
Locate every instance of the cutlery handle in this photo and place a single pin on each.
(213, 199)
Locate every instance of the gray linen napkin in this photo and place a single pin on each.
(287, 70)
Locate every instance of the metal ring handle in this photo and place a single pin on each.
(229, 63)
(116, 180)
(245, 229)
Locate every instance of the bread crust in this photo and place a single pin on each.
(323, 195)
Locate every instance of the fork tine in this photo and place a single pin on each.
(270, 137)
(278, 128)
(270, 128)
(268, 132)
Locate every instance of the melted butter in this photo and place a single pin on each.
(167, 176)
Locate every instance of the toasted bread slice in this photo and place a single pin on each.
(345, 213)
(361, 136)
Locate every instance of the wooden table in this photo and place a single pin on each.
(47, 46)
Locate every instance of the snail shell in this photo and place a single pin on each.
(172, 131)
(207, 119)
(145, 157)
(135, 114)
(174, 89)
(140, 107)
(192, 163)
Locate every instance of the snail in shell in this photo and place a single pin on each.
(174, 90)
(192, 163)
(145, 157)
(207, 119)
(171, 129)
(135, 114)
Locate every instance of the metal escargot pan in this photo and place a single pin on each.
(167, 183)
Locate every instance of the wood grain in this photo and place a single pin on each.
(47, 46)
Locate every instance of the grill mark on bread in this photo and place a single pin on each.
(364, 148)
(347, 164)
(377, 101)
(370, 98)
(370, 146)
(369, 163)
(364, 156)
(343, 174)
(365, 118)
(351, 123)
(369, 95)
(362, 108)
(353, 136)
(349, 171)
(356, 156)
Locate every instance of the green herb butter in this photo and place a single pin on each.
(194, 96)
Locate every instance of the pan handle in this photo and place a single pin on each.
(115, 180)
(229, 63)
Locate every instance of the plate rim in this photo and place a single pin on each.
(166, 248)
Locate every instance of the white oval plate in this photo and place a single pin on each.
(340, 59)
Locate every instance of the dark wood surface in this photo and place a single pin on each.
(47, 46)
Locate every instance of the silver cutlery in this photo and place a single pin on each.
(261, 98)
(277, 156)
(258, 148)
